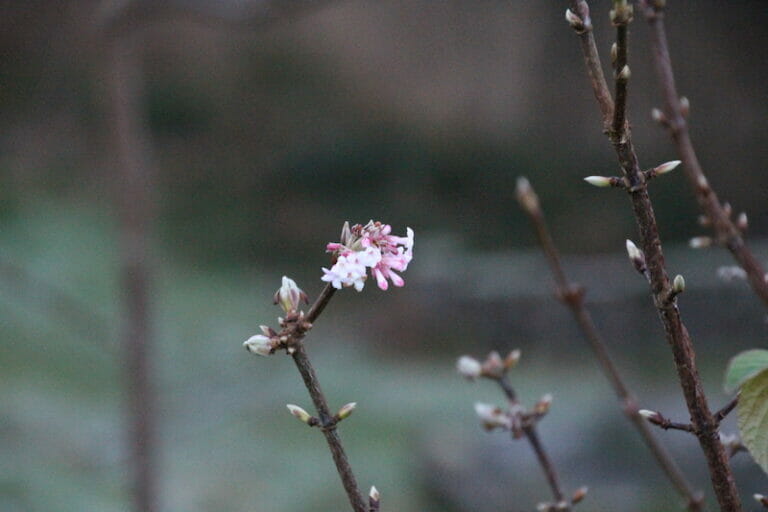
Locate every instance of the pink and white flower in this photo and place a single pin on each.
(369, 247)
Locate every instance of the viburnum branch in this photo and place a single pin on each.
(727, 232)
(516, 419)
(528, 429)
(676, 333)
(572, 296)
(328, 426)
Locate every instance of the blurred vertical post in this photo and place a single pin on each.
(133, 198)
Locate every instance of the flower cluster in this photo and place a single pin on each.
(373, 247)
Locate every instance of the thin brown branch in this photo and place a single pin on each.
(726, 231)
(726, 409)
(676, 333)
(592, 60)
(530, 433)
(573, 297)
(329, 427)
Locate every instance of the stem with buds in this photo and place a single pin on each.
(517, 420)
(662, 291)
(727, 232)
(572, 296)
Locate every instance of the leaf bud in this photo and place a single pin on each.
(598, 181)
(299, 413)
(700, 242)
(678, 284)
(346, 410)
(526, 196)
(667, 167)
(469, 367)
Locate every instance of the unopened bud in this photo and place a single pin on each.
(678, 284)
(704, 221)
(598, 181)
(346, 410)
(700, 242)
(742, 222)
(636, 256)
(494, 365)
(658, 116)
(346, 234)
(544, 507)
(685, 106)
(512, 359)
(727, 208)
(702, 183)
(289, 295)
(574, 20)
(624, 74)
(667, 167)
(527, 198)
(651, 416)
(761, 499)
(300, 413)
(469, 367)
(542, 406)
(374, 493)
(492, 417)
(260, 345)
(614, 53)
(579, 495)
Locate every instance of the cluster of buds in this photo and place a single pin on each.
(514, 419)
(494, 367)
(289, 296)
(369, 247)
(741, 223)
(577, 497)
(622, 12)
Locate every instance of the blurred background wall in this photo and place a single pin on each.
(263, 138)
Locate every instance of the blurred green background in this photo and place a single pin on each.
(263, 140)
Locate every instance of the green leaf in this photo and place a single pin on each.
(753, 417)
(745, 366)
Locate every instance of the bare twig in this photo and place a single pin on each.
(676, 333)
(294, 333)
(329, 427)
(530, 433)
(658, 419)
(726, 409)
(573, 297)
(717, 215)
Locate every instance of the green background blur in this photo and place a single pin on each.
(263, 141)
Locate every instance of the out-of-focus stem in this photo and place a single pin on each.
(573, 297)
(727, 233)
